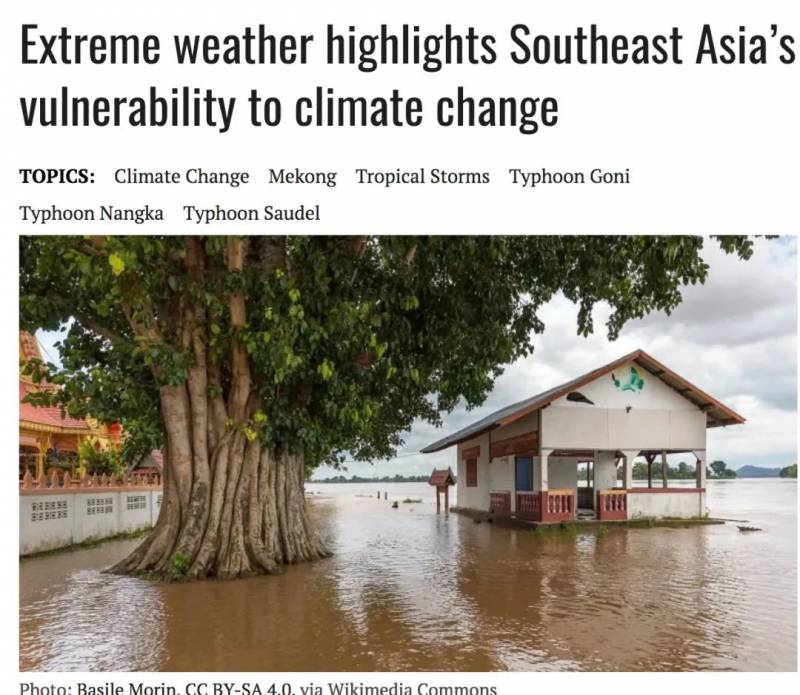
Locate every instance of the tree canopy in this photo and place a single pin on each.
(349, 339)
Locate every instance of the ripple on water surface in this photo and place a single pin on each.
(410, 590)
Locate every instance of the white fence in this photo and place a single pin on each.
(657, 503)
(56, 518)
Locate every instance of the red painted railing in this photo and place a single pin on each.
(558, 505)
(500, 503)
(550, 505)
(612, 504)
(529, 504)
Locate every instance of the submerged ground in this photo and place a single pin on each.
(408, 590)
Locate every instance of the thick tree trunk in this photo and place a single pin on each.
(235, 510)
(230, 508)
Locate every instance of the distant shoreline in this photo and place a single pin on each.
(386, 479)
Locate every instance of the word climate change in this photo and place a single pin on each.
(327, 108)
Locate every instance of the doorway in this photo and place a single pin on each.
(523, 486)
(586, 489)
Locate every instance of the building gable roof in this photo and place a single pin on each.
(717, 413)
(48, 416)
(442, 476)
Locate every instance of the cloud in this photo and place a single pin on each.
(735, 337)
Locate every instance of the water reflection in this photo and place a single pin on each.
(410, 590)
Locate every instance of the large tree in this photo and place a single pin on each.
(251, 360)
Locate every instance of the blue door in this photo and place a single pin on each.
(524, 473)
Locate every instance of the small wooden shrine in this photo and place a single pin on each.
(442, 479)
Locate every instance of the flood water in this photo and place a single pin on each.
(410, 590)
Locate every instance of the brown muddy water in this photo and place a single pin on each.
(410, 590)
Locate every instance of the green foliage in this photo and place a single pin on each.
(561, 530)
(683, 471)
(180, 566)
(397, 478)
(789, 471)
(349, 340)
(719, 469)
(99, 461)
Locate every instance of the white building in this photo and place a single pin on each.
(524, 460)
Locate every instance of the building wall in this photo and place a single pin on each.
(474, 497)
(605, 470)
(501, 476)
(562, 472)
(656, 417)
(497, 475)
(49, 521)
(661, 504)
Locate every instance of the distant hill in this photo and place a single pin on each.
(757, 472)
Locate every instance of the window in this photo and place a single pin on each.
(136, 502)
(100, 505)
(472, 472)
(49, 510)
(524, 473)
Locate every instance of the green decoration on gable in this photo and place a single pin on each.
(634, 382)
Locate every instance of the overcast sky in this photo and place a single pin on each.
(734, 337)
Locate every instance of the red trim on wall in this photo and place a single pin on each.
(527, 443)
(473, 452)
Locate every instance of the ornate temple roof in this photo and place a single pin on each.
(49, 417)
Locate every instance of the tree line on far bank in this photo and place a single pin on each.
(385, 479)
(717, 470)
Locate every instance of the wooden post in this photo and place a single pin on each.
(663, 468)
(438, 503)
(446, 499)
(650, 458)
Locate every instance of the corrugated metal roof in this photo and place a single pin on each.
(716, 412)
(477, 427)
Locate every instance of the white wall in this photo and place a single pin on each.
(605, 470)
(48, 521)
(659, 417)
(562, 473)
(655, 395)
(660, 504)
(501, 477)
(474, 497)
